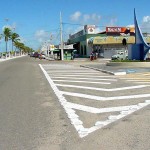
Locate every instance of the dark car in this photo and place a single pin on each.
(36, 55)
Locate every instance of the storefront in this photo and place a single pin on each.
(105, 44)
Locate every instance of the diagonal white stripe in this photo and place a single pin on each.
(85, 75)
(104, 98)
(74, 73)
(102, 89)
(59, 77)
(82, 81)
(99, 110)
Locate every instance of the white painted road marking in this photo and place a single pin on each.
(82, 81)
(78, 124)
(102, 89)
(85, 78)
(104, 98)
(85, 75)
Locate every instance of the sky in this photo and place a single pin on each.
(38, 21)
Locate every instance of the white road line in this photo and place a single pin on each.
(70, 112)
(99, 110)
(76, 75)
(67, 73)
(143, 82)
(78, 124)
(93, 97)
(82, 81)
(140, 80)
(103, 89)
(62, 71)
(84, 78)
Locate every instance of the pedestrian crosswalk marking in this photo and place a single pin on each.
(98, 98)
(75, 73)
(96, 76)
(99, 110)
(103, 89)
(80, 71)
(84, 78)
(82, 81)
(137, 78)
(71, 108)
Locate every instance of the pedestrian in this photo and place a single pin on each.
(72, 55)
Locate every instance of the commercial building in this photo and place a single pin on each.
(106, 43)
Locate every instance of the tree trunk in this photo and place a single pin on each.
(6, 49)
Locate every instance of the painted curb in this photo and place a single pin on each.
(105, 71)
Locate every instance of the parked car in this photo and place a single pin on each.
(42, 56)
(119, 56)
(36, 55)
(31, 54)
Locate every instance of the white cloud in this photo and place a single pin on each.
(131, 25)
(145, 27)
(92, 19)
(113, 21)
(98, 30)
(95, 17)
(146, 19)
(22, 40)
(85, 18)
(75, 16)
(6, 26)
(41, 35)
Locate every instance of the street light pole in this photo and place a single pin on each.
(61, 38)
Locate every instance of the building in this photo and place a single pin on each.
(106, 43)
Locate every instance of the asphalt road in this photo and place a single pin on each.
(32, 118)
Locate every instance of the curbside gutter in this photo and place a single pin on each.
(105, 71)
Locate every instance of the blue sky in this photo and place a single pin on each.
(38, 20)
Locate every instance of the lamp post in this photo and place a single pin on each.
(61, 38)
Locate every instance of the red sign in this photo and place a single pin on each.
(120, 31)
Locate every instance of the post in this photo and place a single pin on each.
(61, 38)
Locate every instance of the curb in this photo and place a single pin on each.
(105, 71)
(2, 60)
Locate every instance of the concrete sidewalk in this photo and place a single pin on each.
(117, 69)
(10, 58)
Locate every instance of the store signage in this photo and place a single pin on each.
(67, 46)
(124, 31)
(89, 29)
(113, 29)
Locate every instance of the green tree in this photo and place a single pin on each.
(19, 45)
(7, 35)
(14, 37)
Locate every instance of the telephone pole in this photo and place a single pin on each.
(61, 38)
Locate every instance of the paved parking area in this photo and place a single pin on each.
(93, 99)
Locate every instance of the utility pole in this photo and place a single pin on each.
(61, 38)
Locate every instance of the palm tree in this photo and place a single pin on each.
(7, 35)
(19, 45)
(14, 37)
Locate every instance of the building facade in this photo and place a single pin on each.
(106, 43)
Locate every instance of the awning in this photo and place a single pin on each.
(111, 40)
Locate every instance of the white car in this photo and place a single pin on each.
(42, 56)
(119, 56)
